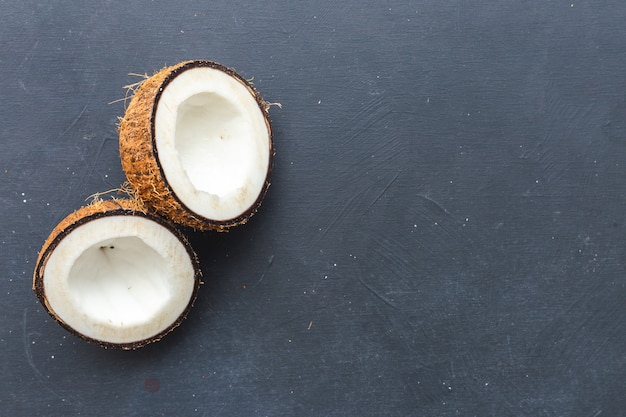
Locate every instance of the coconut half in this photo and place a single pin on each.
(117, 276)
(196, 145)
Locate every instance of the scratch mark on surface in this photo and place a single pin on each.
(269, 265)
(575, 338)
(338, 216)
(266, 375)
(219, 412)
(99, 152)
(29, 55)
(391, 257)
(74, 122)
(91, 166)
(442, 208)
(384, 190)
(29, 355)
(452, 232)
(368, 116)
(400, 323)
(27, 352)
(378, 295)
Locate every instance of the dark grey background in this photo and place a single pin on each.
(444, 234)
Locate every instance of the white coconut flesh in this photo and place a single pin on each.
(212, 142)
(119, 279)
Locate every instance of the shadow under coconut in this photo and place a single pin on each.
(230, 261)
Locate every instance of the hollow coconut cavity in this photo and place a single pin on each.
(117, 276)
(196, 145)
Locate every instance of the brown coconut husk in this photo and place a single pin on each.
(139, 155)
(98, 209)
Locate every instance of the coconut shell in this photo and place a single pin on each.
(140, 160)
(96, 210)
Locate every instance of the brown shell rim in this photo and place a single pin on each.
(38, 285)
(263, 106)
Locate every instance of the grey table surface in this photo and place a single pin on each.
(444, 234)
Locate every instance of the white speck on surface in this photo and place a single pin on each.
(51, 356)
(319, 102)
